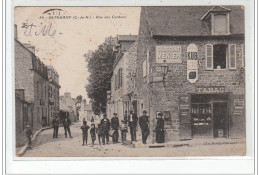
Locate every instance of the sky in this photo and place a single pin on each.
(62, 35)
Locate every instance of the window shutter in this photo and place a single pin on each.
(243, 54)
(147, 62)
(121, 77)
(232, 56)
(115, 81)
(209, 56)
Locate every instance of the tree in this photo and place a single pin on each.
(100, 65)
(79, 99)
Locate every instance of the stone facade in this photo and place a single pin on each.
(122, 81)
(53, 94)
(31, 74)
(156, 94)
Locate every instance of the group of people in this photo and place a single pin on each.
(66, 124)
(106, 128)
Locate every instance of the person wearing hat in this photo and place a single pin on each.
(132, 122)
(144, 125)
(55, 125)
(115, 126)
(105, 127)
(159, 129)
(84, 129)
(66, 125)
(29, 134)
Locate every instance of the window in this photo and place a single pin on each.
(144, 68)
(232, 56)
(119, 79)
(148, 66)
(219, 56)
(216, 56)
(220, 24)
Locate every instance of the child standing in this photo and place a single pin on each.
(123, 129)
(29, 135)
(100, 132)
(84, 129)
(93, 133)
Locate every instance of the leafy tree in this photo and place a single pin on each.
(100, 66)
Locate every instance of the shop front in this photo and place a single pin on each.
(210, 115)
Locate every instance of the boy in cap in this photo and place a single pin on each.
(28, 133)
(93, 133)
(84, 129)
(123, 129)
(100, 132)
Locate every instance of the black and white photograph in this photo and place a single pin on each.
(143, 81)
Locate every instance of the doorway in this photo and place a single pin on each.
(220, 119)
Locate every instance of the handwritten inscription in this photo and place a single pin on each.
(43, 29)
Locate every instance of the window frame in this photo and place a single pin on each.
(213, 24)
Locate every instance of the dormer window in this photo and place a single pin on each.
(217, 20)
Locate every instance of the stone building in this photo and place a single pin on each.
(191, 67)
(53, 94)
(23, 113)
(86, 112)
(68, 104)
(31, 74)
(122, 81)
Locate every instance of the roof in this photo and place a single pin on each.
(127, 37)
(186, 20)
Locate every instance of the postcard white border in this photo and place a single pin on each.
(75, 165)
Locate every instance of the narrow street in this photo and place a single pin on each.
(45, 146)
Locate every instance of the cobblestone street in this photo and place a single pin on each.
(45, 146)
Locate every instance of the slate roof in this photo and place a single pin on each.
(127, 37)
(186, 20)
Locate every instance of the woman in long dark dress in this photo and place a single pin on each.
(160, 129)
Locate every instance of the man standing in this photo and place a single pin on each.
(115, 126)
(144, 125)
(105, 127)
(66, 125)
(55, 124)
(132, 122)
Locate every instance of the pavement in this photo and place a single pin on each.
(45, 146)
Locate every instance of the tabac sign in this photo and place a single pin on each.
(211, 90)
(168, 54)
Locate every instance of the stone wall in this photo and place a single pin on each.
(154, 96)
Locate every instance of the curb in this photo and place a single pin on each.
(24, 148)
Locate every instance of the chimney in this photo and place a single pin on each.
(15, 32)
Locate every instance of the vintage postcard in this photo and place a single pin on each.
(149, 81)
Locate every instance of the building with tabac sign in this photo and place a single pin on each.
(191, 67)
